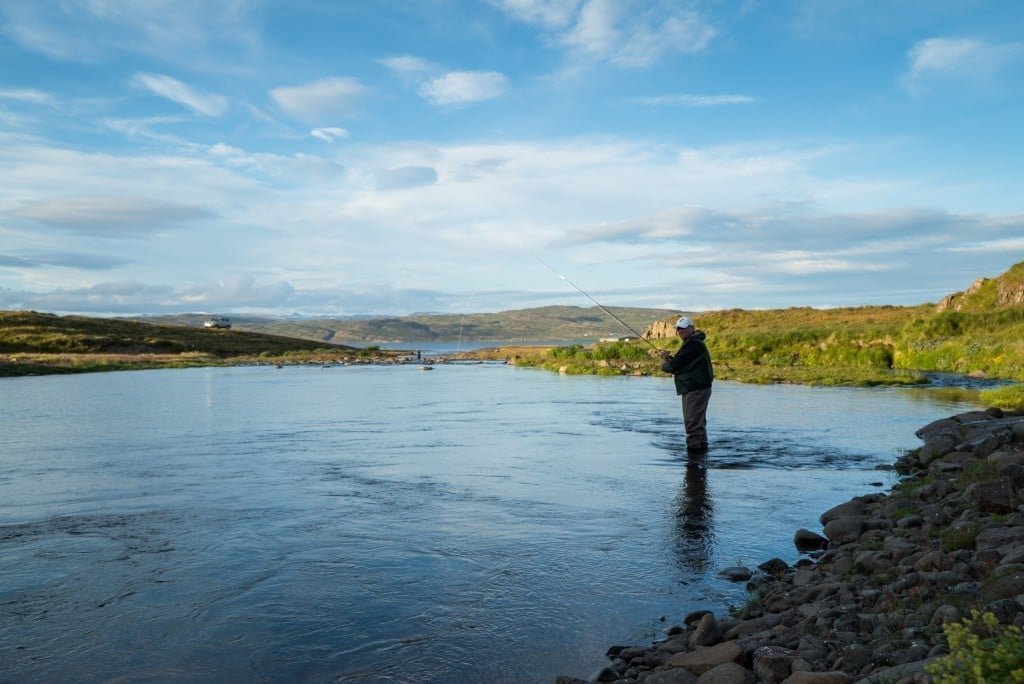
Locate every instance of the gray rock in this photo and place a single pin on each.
(772, 663)
(993, 496)
(944, 615)
(775, 566)
(671, 646)
(934, 448)
(694, 617)
(726, 673)
(706, 633)
(852, 508)
(736, 573)
(998, 537)
(896, 673)
(1005, 610)
(700, 661)
(844, 530)
(910, 521)
(818, 678)
(1001, 587)
(674, 676)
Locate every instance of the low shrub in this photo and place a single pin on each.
(981, 651)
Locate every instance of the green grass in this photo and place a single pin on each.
(38, 344)
(1009, 397)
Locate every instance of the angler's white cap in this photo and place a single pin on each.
(684, 322)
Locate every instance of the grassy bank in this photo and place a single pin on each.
(42, 344)
(861, 346)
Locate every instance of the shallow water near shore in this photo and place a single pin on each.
(385, 524)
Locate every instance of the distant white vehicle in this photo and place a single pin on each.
(217, 322)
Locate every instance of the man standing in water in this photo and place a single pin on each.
(691, 366)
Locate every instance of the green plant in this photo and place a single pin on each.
(1006, 397)
(954, 539)
(980, 651)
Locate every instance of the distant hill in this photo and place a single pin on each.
(547, 324)
(30, 331)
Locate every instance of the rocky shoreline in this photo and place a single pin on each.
(869, 601)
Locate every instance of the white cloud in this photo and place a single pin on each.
(409, 65)
(959, 59)
(110, 216)
(549, 13)
(95, 30)
(406, 177)
(329, 134)
(29, 95)
(698, 100)
(323, 99)
(207, 104)
(462, 87)
(631, 33)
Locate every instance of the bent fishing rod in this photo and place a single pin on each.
(599, 305)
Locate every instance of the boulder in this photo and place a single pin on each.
(706, 633)
(736, 573)
(703, 659)
(818, 678)
(675, 676)
(854, 507)
(993, 496)
(844, 530)
(805, 540)
(772, 663)
(726, 673)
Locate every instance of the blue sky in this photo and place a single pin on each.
(399, 156)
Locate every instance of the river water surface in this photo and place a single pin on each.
(476, 523)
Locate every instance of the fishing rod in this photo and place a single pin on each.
(599, 305)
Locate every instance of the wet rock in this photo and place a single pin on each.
(805, 540)
(694, 617)
(775, 566)
(844, 530)
(736, 573)
(852, 508)
(706, 633)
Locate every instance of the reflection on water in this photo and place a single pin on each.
(371, 524)
(694, 518)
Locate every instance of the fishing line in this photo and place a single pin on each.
(599, 305)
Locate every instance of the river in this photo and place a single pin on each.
(474, 523)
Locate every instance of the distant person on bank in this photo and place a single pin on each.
(693, 375)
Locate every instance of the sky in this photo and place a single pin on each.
(345, 157)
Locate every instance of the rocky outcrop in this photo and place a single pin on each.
(1006, 290)
(869, 601)
(660, 330)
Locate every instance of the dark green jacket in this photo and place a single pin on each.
(691, 365)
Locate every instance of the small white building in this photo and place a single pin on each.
(217, 322)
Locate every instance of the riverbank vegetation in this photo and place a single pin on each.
(34, 343)
(861, 346)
